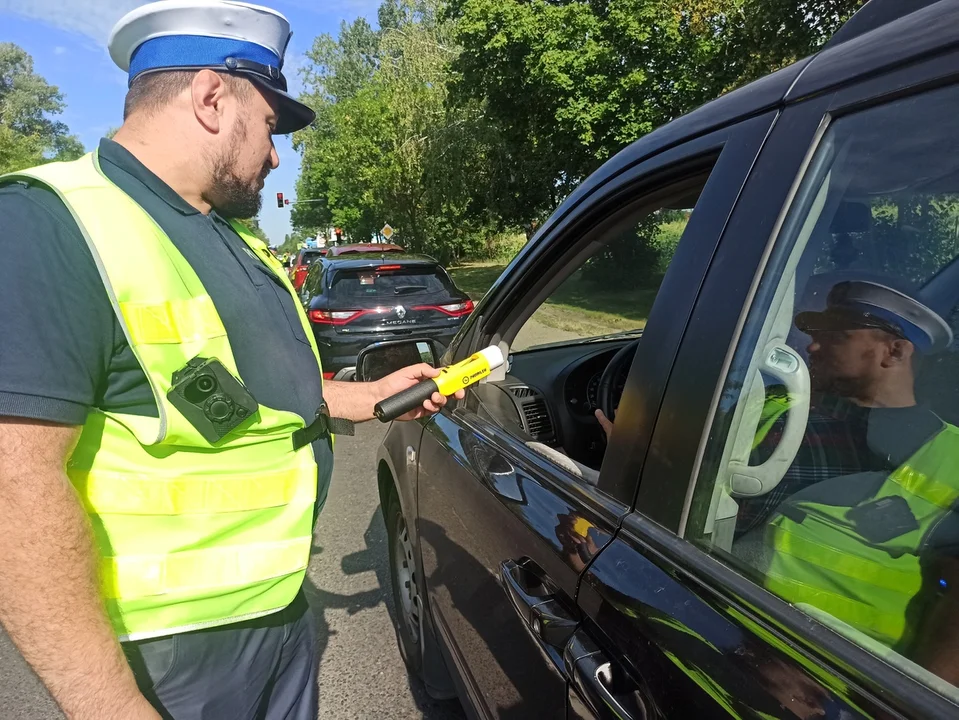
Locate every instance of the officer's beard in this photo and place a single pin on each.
(230, 195)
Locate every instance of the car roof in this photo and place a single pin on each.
(367, 260)
(873, 15)
(364, 248)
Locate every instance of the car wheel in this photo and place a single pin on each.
(407, 586)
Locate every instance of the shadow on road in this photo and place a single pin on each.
(372, 558)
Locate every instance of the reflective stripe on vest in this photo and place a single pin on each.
(824, 562)
(189, 535)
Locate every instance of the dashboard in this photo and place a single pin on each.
(567, 379)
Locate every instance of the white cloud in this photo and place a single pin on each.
(93, 18)
(59, 50)
(292, 64)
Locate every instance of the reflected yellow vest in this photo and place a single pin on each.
(189, 535)
(823, 561)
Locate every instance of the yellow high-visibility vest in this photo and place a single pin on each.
(820, 558)
(190, 535)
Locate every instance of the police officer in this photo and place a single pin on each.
(861, 545)
(165, 436)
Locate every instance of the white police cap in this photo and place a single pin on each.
(866, 304)
(223, 35)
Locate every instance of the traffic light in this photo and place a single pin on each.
(279, 200)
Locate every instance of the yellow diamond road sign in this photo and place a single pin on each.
(387, 232)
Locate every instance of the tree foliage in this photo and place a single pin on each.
(253, 224)
(565, 85)
(29, 134)
(387, 147)
(459, 120)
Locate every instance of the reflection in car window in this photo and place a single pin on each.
(832, 476)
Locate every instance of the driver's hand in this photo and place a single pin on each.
(604, 422)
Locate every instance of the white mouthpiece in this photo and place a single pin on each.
(493, 355)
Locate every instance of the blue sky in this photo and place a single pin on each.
(67, 39)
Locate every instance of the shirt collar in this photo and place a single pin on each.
(121, 158)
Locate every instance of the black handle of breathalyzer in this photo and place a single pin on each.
(395, 405)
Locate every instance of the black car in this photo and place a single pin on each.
(718, 557)
(354, 300)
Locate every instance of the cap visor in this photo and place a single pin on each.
(828, 320)
(294, 115)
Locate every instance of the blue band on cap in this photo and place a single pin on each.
(192, 51)
(913, 333)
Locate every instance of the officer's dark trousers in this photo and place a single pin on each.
(262, 669)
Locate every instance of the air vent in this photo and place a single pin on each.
(537, 419)
(521, 391)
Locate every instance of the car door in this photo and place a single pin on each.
(506, 525)
(687, 600)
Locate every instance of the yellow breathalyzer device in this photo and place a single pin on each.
(451, 378)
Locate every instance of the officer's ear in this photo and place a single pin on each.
(898, 352)
(208, 92)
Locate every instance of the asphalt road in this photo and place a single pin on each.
(361, 673)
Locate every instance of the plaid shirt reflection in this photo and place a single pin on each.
(834, 444)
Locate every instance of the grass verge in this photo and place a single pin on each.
(576, 306)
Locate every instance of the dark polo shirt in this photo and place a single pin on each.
(63, 351)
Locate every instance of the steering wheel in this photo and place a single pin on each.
(607, 398)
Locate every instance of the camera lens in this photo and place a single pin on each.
(205, 384)
(200, 389)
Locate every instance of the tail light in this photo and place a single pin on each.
(453, 310)
(328, 376)
(341, 317)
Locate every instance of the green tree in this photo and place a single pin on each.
(565, 85)
(28, 133)
(253, 224)
(386, 146)
(292, 241)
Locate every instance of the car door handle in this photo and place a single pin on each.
(605, 688)
(534, 599)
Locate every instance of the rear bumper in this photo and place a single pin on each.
(338, 352)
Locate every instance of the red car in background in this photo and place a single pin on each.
(301, 264)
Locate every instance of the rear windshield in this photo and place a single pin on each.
(310, 258)
(371, 282)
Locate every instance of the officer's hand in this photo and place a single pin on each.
(408, 377)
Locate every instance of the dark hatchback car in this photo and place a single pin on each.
(717, 557)
(353, 300)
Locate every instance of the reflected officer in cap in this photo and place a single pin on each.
(865, 343)
(864, 349)
(165, 432)
(861, 530)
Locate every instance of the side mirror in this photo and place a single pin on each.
(382, 358)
